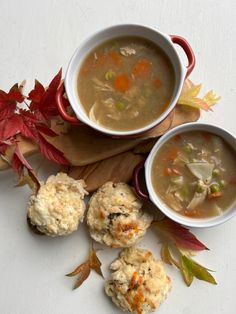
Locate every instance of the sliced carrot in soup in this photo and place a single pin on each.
(115, 58)
(142, 68)
(157, 83)
(122, 83)
(172, 153)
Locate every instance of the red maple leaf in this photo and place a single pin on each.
(44, 100)
(37, 93)
(51, 152)
(18, 161)
(31, 123)
(10, 126)
(8, 102)
(46, 130)
(180, 235)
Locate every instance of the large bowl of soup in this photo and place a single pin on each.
(125, 79)
(190, 175)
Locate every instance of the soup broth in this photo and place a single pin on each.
(126, 83)
(194, 174)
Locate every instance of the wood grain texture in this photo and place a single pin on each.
(37, 38)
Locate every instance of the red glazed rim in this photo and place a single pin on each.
(188, 50)
(136, 181)
(61, 107)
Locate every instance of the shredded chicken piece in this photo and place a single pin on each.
(102, 86)
(92, 113)
(127, 51)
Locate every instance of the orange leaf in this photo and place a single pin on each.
(84, 269)
(94, 262)
(83, 276)
(79, 269)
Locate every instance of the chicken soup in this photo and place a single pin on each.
(194, 173)
(126, 83)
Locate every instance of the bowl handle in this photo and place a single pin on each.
(136, 181)
(187, 49)
(61, 107)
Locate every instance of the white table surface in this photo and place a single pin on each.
(36, 39)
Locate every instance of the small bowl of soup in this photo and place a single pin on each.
(190, 175)
(125, 79)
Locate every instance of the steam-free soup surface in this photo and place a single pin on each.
(126, 83)
(194, 173)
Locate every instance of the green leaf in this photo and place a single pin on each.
(188, 276)
(192, 269)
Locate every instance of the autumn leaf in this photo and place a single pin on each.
(51, 152)
(32, 123)
(10, 127)
(4, 145)
(8, 102)
(36, 94)
(187, 274)
(44, 100)
(167, 257)
(13, 96)
(28, 179)
(83, 276)
(179, 235)
(83, 270)
(192, 269)
(18, 164)
(94, 262)
(46, 130)
(189, 97)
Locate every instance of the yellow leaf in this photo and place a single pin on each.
(210, 98)
(192, 92)
(189, 97)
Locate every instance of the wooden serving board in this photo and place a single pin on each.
(82, 145)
